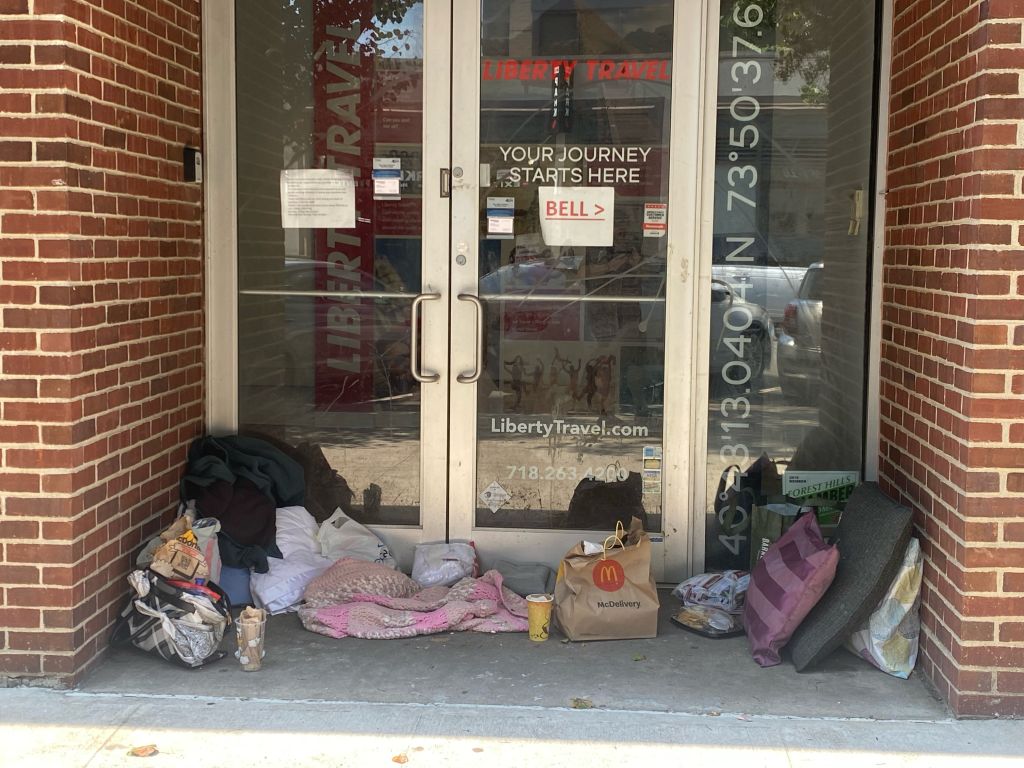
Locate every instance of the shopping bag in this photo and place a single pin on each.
(727, 532)
(889, 637)
(767, 524)
(178, 621)
(340, 536)
(609, 595)
(768, 521)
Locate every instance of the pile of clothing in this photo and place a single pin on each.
(262, 505)
(244, 498)
(240, 482)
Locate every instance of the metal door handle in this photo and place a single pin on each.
(414, 341)
(470, 378)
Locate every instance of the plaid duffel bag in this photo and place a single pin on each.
(177, 621)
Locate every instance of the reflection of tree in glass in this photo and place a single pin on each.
(383, 37)
(803, 40)
(649, 41)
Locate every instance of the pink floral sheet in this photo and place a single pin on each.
(479, 605)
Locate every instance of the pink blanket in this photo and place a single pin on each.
(480, 605)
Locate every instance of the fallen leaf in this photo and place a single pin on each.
(714, 713)
(639, 657)
(578, 703)
(478, 749)
(417, 749)
(400, 759)
(145, 751)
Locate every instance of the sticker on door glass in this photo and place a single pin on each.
(652, 481)
(655, 219)
(652, 457)
(579, 216)
(652, 469)
(494, 496)
(387, 178)
(501, 213)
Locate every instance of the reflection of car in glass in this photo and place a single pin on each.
(741, 342)
(800, 338)
(764, 279)
(741, 337)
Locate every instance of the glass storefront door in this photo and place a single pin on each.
(563, 157)
(342, 327)
(459, 298)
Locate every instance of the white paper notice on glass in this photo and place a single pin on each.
(577, 215)
(318, 198)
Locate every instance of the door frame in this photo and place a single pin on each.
(691, 191)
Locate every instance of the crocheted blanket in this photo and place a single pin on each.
(479, 605)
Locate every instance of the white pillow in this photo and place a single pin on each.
(296, 531)
(281, 588)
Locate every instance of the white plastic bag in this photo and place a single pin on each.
(340, 536)
(443, 564)
(726, 591)
(889, 638)
(205, 530)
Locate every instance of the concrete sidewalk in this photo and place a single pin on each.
(70, 729)
(676, 671)
(473, 699)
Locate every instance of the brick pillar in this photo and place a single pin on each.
(952, 439)
(101, 299)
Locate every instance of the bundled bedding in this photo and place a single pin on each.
(355, 598)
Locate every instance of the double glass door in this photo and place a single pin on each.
(458, 293)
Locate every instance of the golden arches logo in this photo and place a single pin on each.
(609, 576)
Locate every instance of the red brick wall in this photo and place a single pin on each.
(101, 344)
(952, 438)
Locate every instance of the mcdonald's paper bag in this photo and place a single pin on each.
(610, 595)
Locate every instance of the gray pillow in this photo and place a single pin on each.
(526, 578)
(872, 537)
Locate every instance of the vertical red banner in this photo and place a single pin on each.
(344, 115)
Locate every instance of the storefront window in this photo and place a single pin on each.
(790, 256)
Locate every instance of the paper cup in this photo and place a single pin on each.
(250, 630)
(538, 612)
